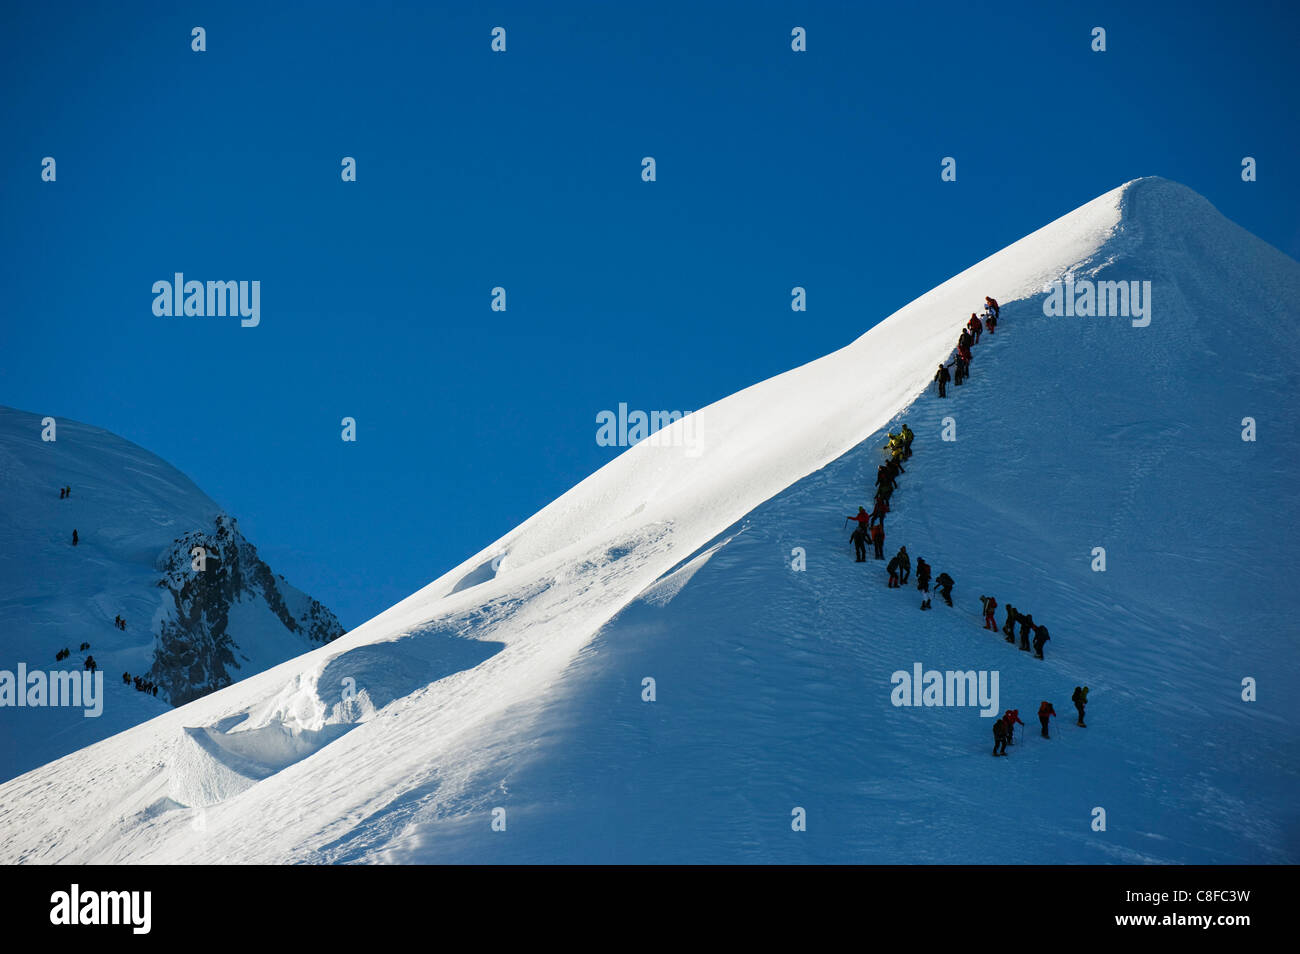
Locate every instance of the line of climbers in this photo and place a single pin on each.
(872, 526)
(1014, 616)
(119, 621)
(141, 685)
(1004, 728)
(969, 337)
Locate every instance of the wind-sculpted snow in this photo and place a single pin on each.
(638, 674)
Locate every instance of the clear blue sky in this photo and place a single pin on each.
(522, 170)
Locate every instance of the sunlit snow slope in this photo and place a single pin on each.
(516, 680)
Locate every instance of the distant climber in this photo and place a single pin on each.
(74, 537)
(922, 575)
(117, 621)
(1045, 712)
(1040, 640)
(907, 441)
(83, 647)
(958, 371)
(63, 492)
(975, 326)
(999, 737)
(1080, 700)
(126, 678)
(943, 377)
(892, 567)
(904, 565)
(992, 306)
(859, 539)
(943, 583)
(990, 607)
(90, 663)
(1026, 624)
(882, 476)
(878, 540)
(862, 517)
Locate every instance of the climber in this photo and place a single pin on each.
(892, 567)
(1012, 718)
(117, 621)
(90, 663)
(74, 537)
(990, 606)
(943, 377)
(992, 306)
(879, 510)
(922, 575)
(1009, 627)
(882, 477)
(943, 582)
(126, 678)
(904, 565)
(907, 441)
(878, 540)
(1080, 700)
(63, 492)
(1026, 624)
(1040, 639)
(999, 737)
(859, 538)
(1045, 712)
(976, 326)
(862, 517)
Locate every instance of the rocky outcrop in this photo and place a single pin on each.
(206, 574)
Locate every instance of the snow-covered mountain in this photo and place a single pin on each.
(138, 522)
(502, 713)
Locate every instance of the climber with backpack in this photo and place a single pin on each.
(878, 540)
(975, 326)
(904, 564)
(859, 538)
(942, 377)
(1040, 640)
(1009, 627)
(1045, 712)
(1026, 624)
(892, 567)
(943, 582)
(990, 607)
(1080, 700)
(999, 737)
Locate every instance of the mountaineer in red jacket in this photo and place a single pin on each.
(1045, 712)
(1011, 719)
(990, 607)
(878, 539)
(975, 326)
